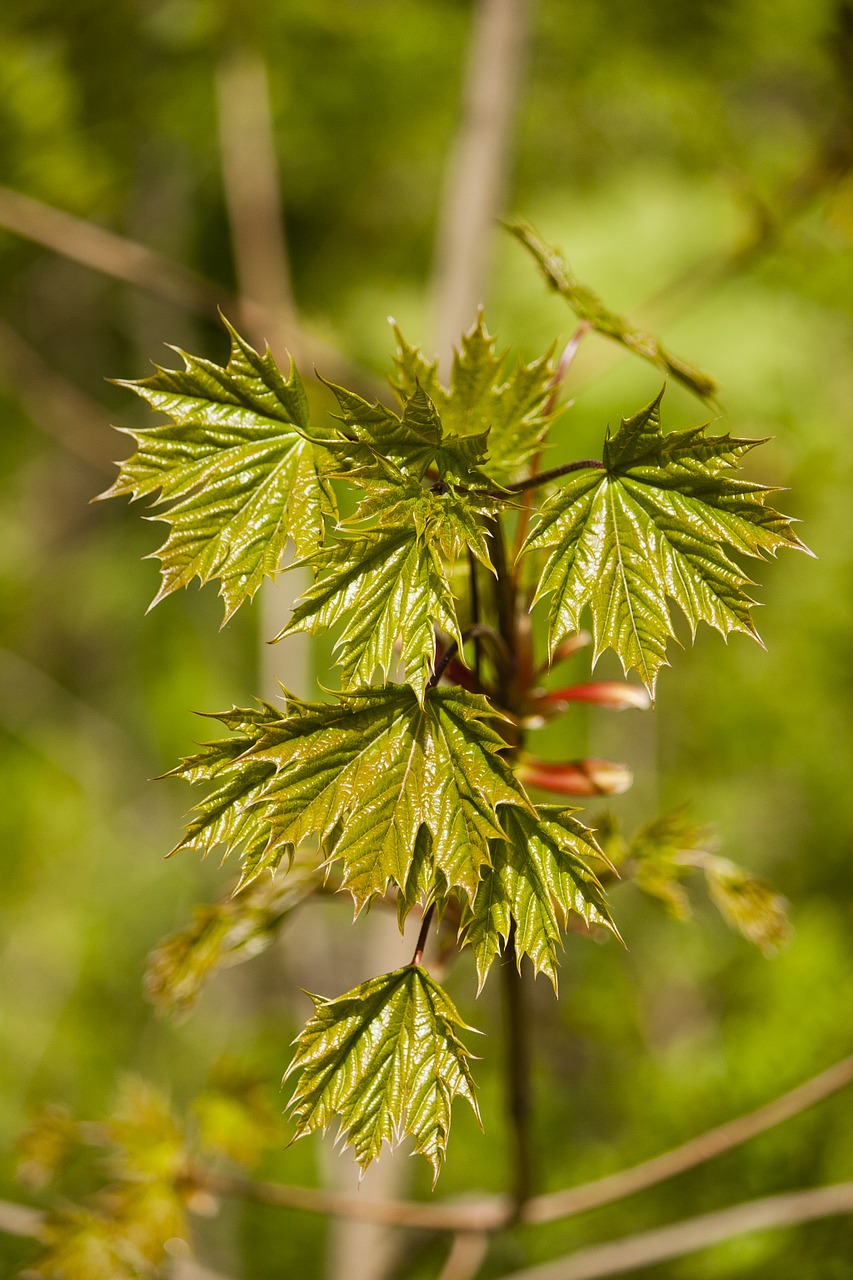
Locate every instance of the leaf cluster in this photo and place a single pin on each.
(407, 788)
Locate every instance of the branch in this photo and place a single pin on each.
(591, 1195)
(477, 169)
(144, 268)
(251, 180)
(466, 1256)
(650, 1247)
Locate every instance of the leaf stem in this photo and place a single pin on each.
(470, 633)
(475, 611)
(422, 936)
(544, 477)
(517, 1077)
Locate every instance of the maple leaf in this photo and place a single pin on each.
(364, 777)
(234, 466)
(414, 442)
(660, 521)
(539, 874)
(508, 407)
(391, 581)
(386, 1059)
(589, 308)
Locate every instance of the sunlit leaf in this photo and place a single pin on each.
(386, 1061)
(235, 474)
(539, 874)
(659, 522)
(363, 776)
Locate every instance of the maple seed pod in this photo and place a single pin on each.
(618, 695)
(590, 777)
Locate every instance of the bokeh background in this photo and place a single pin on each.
(695, 163)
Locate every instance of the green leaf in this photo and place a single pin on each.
(364, 777)
(537, 877)
(387, 1061)
(234, 466)
(748, 905)
(659, 522)
(589, 308)
(225, 934)
(483, 398)
(392, 582)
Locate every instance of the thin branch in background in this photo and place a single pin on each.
(467, 1254)
(55, 404)
(660, 1245)
(110, 254)
(250, 178)
(144, 268)
(477, 170)
(592, 1195)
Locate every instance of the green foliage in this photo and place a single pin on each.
(589, 308)
(412, 790)
(660, 521)
(235, 467)
(387, 1061)
(671, 848)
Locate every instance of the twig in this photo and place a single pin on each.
(591, 1195)
(476, 173)
(466, 1256)
(251, 181)
(422, 936)
(155, 273)
(516, 1037)
(491, 1213)
(650, 1247)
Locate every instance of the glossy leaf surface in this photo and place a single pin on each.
(661, 522)
(539, 874)
(235, 474)
(363, 777)
(386, 1059)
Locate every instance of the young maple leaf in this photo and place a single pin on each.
(482, 398)
(234, 470)
(364, 777)
(660, 521)
(385, 1059)
(539, 874)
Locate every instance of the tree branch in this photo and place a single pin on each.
(591, 1195)
(650, 1247)
(466, 1256)
(476, 173)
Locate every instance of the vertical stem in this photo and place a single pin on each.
(475, 613)
(516, 1030)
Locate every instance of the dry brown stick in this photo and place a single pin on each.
(734, 1133)
(466, 1256)
(476, 174)
(111, 254)
(251, 182)
(155, 273)
(650, 1247)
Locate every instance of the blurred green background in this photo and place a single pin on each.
(695, 162)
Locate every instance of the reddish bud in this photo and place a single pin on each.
(575, 777)
(616, 694)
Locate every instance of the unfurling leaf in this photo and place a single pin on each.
(223, 935)
(364, 777)
(386, 1060)
(483, 396)
(748, 905)
(234, 466)
(538, 876)
(589, 777)
(660, 522)
(588, 307)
